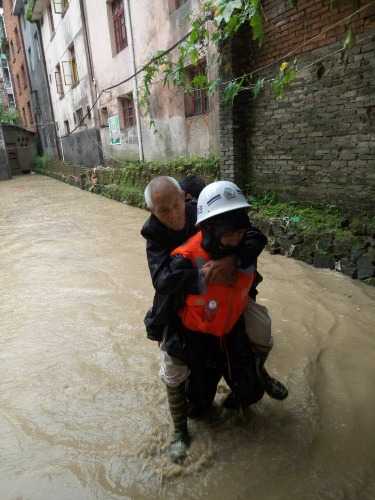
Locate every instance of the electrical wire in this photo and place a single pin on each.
(232, 80)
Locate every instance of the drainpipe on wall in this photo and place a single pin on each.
(89, 60)
(129, 29)
(57, 138)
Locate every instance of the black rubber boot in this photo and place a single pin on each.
(274, 388)
(178, 408)
(231, 402)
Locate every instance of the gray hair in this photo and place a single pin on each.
(156, 185)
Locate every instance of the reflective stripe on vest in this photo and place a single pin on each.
(218, 308)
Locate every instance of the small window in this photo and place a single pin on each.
(119, 27)
(6, 76)
(60, 6)
(24, 77)
(50, 19)
(12, 50)
(79, 116)
(19, 84)
(176, 4)
(104, 117)
(196, 101)
(67, 127)
(18, 41)
(30, 114)
(24, 117)
(70, 68)
(59, 82)
(127, 108)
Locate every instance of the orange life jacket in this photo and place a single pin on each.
(218, 308)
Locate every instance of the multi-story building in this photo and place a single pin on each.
(6, 87)
(18, 66)
(131, 32)
(90, 47)
(68, 68)
(40, 91)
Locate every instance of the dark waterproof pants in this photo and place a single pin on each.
(210, 358)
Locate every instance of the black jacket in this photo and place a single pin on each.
(169, 283)
(171, 279)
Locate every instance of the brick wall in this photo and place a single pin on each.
(234, 119)
(17, 60)
(318, 143)
(289, 28)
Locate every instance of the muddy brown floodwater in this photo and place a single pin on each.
(83, 415)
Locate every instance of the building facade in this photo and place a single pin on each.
(131, 32)
(40, 91)
(6, 87)
(62, 30)
(18, 66)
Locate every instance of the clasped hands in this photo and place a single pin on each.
(222, 271)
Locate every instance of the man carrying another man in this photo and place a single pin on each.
(172, 223)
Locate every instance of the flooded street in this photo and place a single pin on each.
(83, 414)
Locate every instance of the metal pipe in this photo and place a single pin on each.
(135, 80)
(59, 145)
(89, 60)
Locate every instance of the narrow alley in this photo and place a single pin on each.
(83, 414)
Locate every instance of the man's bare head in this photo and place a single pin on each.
(165, 198)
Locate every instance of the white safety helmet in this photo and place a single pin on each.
(218, 198)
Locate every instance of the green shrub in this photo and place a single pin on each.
(40, 164)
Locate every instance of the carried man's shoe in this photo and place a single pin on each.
(273, 387)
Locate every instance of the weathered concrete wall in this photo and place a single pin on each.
(5, 173)
(83, 148)
(155, 26)
(41, 101)
(68, 30)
